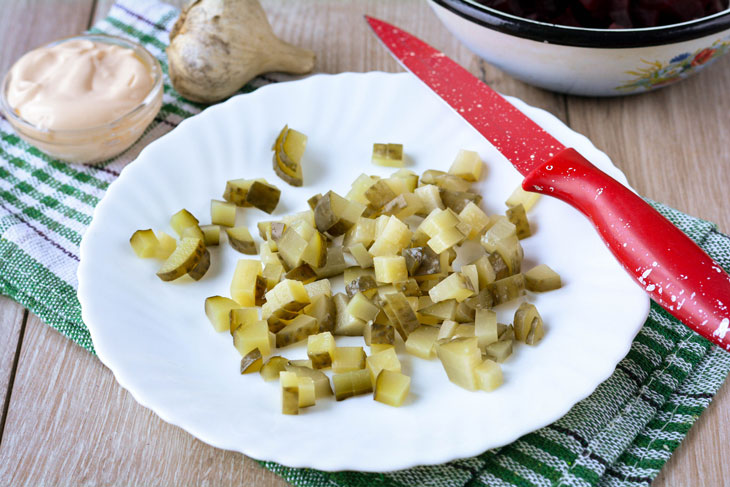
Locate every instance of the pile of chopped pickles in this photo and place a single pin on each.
(394, 241)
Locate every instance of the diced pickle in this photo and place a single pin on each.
(144, 243)
(408, 287)
(321, 349)
(335, 215)
(499, 266)
(489, 375)
(379, 334)
(464, 330)
(315, 253)
(464, 313)
(292, 247)
(217, 309)
(363, 284)
(472, 274)
(346, 324)
(499, 351)
(289, 295)
(410, 177)
(222, 213)
(251, 362)
(276, 323)
(430, 176)
(444, 180)
(322, 387)
(352, 273)
(446, 239)
(270, 370)
(238, 316)
(386, 359)
(307, 394)
(189, 253)
(390, 155)
(263, 196)
(460, 357)
(182, 220)
(390, 268)
(475, 218)
(350, 384)
(361, 307)
(362, 232)
(289, 392)
(518, 217)
(542, 278)
(358, 188)
(303, 273)
(166, 245)
(241, 240)
(316, 288)
(467, 165)
(403, 206)
(379, 194)
(485, 327)
(361, 255)
(446, 309)
(430, 198)
(392, 388)
(394, 238)
(401, 314)
(438, 221)
(335, 263)
(211, 235)
(528, 324)
(324, 311)
(247, 285)
(507, 289)
(485, 271)
(312, 202)
(346, 359)
(458, 200)
(429, 261)
(193, 231)
(453, 287)
(288, 150)
(422, 342)
(525, 198)
(447, 330)
(300, 328)
(254, 335)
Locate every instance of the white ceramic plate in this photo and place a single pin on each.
(156, 339)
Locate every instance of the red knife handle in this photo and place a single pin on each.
(675, 271)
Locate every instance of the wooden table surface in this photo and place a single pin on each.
(65, 421)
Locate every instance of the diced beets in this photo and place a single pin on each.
(610, 14)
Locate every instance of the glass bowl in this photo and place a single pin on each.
(97, 143)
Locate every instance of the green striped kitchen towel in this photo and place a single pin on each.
(619, 436)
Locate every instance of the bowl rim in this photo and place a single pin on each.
(7, 111)
(584, 36)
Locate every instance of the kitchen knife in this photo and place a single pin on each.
(676, 273)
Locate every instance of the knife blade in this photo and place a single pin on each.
(676, 273)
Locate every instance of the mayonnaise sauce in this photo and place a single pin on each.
(77, 84)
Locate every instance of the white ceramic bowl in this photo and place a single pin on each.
(583, 61)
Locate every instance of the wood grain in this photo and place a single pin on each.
(671, 143)
(25, 24)
(11, 324)
(68, 421)
(19, 32)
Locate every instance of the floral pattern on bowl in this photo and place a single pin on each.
(656, 74)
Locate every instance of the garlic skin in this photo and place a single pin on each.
(217, 46)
